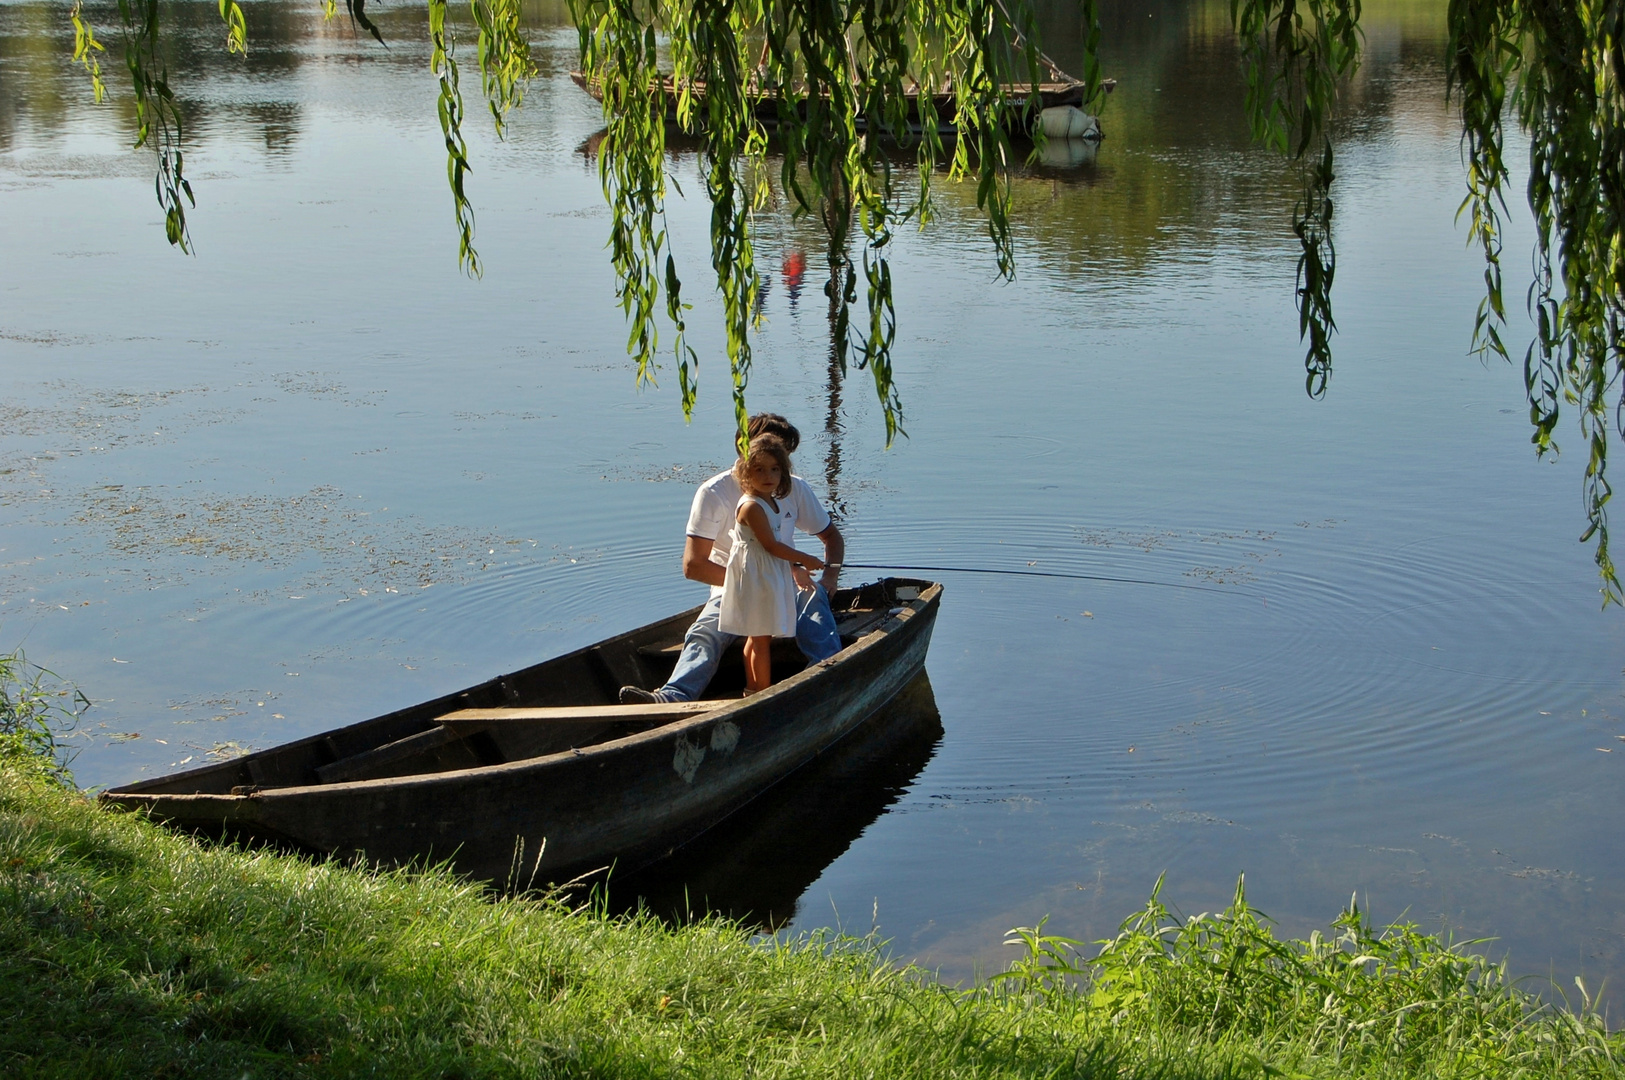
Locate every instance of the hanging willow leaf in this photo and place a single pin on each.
(1295, 53)
(505, 64)
(1567, 63)
(1317, 265)
(443, 63)
(85, 48)
(358, 12)
(839, 81)
(156, 115)
(236, 27)
(1484, 56)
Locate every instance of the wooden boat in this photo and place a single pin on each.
(538, 775)
(1066, 91)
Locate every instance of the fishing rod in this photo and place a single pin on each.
(1031, 573)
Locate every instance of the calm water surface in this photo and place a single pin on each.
(314, 473)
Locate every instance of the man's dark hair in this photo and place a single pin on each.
(771, 423)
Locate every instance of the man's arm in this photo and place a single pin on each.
(697, 564)
(834, 555)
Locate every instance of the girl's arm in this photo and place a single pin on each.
(753, 515)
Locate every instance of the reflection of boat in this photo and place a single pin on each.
(758, 863)
(1066, 91)
(542, 758)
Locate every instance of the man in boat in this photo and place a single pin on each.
(705, 557)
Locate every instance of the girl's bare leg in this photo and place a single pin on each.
(758, 664)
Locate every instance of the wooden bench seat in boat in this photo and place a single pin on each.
(455, 741)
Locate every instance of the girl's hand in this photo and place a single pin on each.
(811, 562)
(804, 580)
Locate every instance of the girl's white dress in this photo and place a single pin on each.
(758, 593)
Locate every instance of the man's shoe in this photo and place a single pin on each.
(637, 695)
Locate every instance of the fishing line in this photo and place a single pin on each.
(1033, 573)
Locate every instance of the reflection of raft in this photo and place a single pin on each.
(1052, 95)
(542, 760)
(1068, 154)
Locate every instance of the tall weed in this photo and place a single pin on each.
(36, 708)
(1389, 997)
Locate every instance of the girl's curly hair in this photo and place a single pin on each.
(773, 447)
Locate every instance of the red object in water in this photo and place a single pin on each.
(795, 269)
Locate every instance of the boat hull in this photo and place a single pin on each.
(628, 801)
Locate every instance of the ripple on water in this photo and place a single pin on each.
(1326, 660)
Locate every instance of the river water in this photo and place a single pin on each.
(314, 473)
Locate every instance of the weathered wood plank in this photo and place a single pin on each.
(853, 628)
(583, 714)
(380, 761)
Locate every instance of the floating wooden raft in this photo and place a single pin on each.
(1051, 95)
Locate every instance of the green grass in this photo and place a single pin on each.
(126, 950)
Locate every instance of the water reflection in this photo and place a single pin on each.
(1173, 123)
(757, 865)
(835, 368)
(1178, 156)
(257, 501)
(218, 95)
(1068, 154)
(1178, 110)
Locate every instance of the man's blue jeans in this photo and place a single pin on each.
(704, 644)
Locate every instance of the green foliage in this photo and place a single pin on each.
(505, 64)
(837, 83)
(127, 950)
(1296, 52)
(85, 48)
(156, 114)
(1563, 64)
(35, 708)
(443, 64)
(1374, 1001)
(236, 27)
(358, 12)
(1317, 266)
(635, 114)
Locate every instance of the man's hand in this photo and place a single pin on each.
(834, 554)
(804, 580)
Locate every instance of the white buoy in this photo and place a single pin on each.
(1068, 122)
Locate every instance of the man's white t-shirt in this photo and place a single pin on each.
(717, 501)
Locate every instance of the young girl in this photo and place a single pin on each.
(758, 592)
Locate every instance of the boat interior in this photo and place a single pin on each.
(571, 701)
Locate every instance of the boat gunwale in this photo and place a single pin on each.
(929, 594)
(135, 787)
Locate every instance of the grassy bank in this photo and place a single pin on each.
(128, 951)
